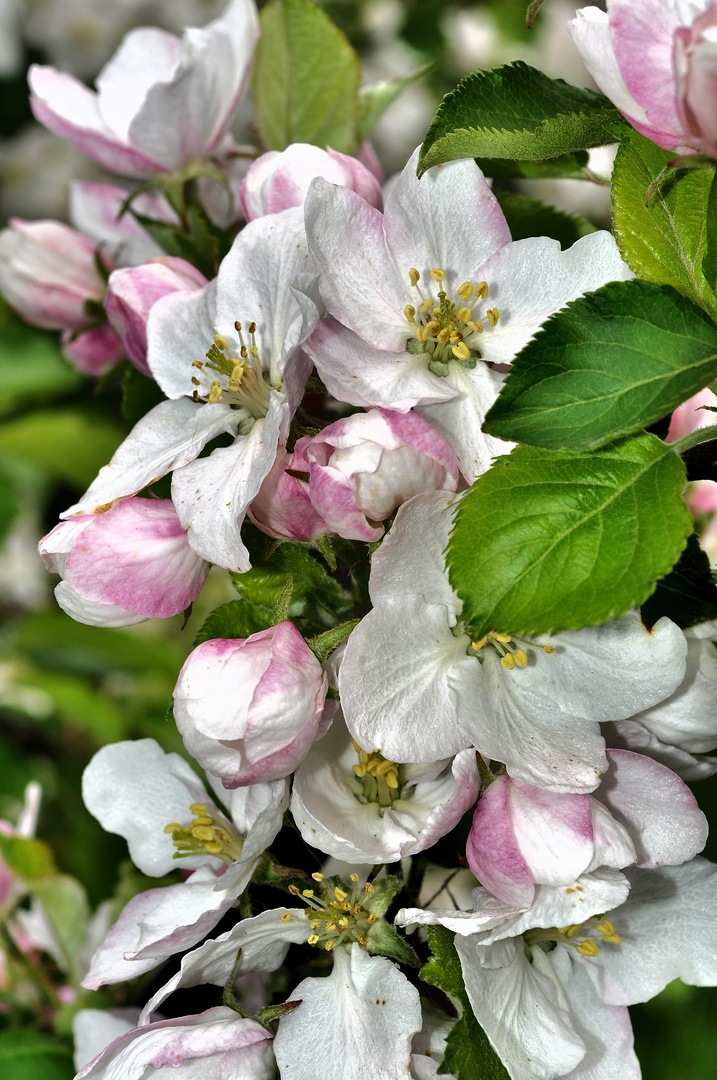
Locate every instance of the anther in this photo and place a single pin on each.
(482, 289)
(414, 276)
(461, 351)
(492, 314)
(410, 312)
(437, 274)
(237, 326)
(588, 948)
(252, 327)
(293, 890)
(317, 876)
(286, 916)
(221, 343)
(465, 291)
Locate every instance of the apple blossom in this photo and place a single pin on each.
(133, 291)
(278, 180)
(125, 565)
(641, 813)
(362, 808)
(656, 61)
(631, 735)
(211, 1045)
(50, 275)
(414, 685)
(162, 102)
(96, 210)
(157, 923)
(409, 290)
(249, 709)
(247, 390)
(282, 507)
(364, 466)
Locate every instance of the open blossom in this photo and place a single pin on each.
(523, 836)
(364, 466)
(49, 274)
(363, 808)
(177, 821)
(657, 61)
(415, 686)
(430, 294)
(552, 996)
(134, 290)
(249, 709)
(210, 1044)
(123, 566)
(161, 102)
(222, 375)
(278, 180)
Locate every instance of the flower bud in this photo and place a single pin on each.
(363, 467)
(278, 180)
(283, 507)
(133, 291)
(48, 273)
(695, 61)
(133, 563)
(249, 709)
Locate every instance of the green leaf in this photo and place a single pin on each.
(306, 78)
(376, 98)
(570, 166)
(66, 444)
(548, 541)
(609, 363)
(32, 370)
(709, 260)
(468, 1054)
(66, 907)
(317, 599)
(28, 1054)
(688, 595)
(530, 217)
(28, 859)
(10, 501)
(235, 619)
(666, 240)
(517, 112)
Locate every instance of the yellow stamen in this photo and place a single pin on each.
(507, 661)
(482, 289)
(414, 276)
(588, 948)
(329, 945)
(317, 876)
(286, 916)
(437, 274)
(465, 292)
(410, 312)
(221, 342)
(492, 314)
(461, 351)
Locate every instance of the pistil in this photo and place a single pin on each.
(509, 647)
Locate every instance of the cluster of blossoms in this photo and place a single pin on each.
(327, 387)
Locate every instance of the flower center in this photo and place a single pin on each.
(205, 835)
(585, 938)
(236, 380)
(339, 917)
(447, 330)
(378, 779)
(510, 648)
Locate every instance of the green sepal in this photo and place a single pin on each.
(385, 939)
(323, 644)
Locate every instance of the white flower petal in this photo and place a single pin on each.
(212, 494)
(170, 435)
(180, 329)
(357, 1024)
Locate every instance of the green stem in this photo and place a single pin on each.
(694, 438)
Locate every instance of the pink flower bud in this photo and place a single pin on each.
(133, 291)
(48, 274)
(126, 565)
(283, 508)
(92, 351)
(278, 180)
(250, 709)
(363, 467)
(695, 61)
